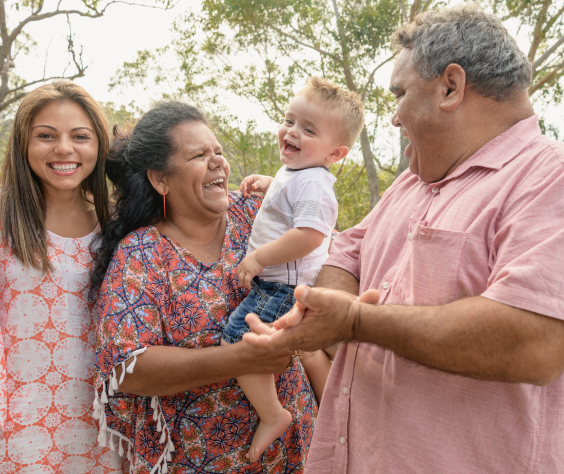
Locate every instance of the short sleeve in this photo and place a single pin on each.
(315, 205)
(345, 249)
(527, 258)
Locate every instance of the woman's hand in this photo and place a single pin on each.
(255, 183)
(248, 269)
(166, 370)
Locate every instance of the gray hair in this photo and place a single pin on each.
(477, 41)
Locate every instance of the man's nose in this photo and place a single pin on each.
(395, 120)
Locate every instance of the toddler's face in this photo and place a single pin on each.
(308, 135)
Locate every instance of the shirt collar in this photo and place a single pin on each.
(502, 149)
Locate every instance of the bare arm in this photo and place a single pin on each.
(474, 337)
(292, 245)
(166, 370)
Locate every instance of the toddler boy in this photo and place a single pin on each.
(291, 233)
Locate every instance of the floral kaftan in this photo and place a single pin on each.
(157, 293)
(47, 365)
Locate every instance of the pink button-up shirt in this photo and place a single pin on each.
(494, 227)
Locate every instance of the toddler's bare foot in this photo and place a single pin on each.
(267, 432)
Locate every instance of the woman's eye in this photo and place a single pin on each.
(82, 137)
(45, 135)
(201, 155)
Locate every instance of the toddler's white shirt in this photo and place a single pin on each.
(296, 198)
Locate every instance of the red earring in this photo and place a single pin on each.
(164, 205)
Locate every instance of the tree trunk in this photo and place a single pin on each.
(403, 161)
(371, 173)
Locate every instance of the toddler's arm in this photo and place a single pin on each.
(292, 245)
(255, 183)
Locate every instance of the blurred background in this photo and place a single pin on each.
(242, 60)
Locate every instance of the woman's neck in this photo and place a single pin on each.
(68, 214)
(204, 240)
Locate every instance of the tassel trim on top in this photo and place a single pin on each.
(99, 413)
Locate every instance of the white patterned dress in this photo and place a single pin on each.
(47, 365)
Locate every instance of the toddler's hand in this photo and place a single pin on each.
(255, 183)
(248, 269)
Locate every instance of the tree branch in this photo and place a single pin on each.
(543, 81)
(403, 11)
(547, 53)
(297, 41)
(371, 77)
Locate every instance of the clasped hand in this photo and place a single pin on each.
(319, 319)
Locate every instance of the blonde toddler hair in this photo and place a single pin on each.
(344, 104)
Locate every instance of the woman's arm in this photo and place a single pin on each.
(166, 370)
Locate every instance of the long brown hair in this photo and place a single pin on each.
(22, 206)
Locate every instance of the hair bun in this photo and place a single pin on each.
(116, 162)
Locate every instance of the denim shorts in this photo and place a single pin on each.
(267, 299)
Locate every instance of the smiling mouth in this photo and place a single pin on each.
(216, 183)
(289, 148)
(62, 168)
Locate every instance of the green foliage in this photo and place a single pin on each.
(351, 189)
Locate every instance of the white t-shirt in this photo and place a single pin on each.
(296, 198)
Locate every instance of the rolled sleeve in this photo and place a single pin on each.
(527, 253)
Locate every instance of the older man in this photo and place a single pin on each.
(458, 370)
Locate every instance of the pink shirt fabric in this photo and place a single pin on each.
(494, 227)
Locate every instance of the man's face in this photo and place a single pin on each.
(419, 117)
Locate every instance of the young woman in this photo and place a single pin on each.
(54, 199)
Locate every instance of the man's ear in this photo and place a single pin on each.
(158, 181)
(453, 83)
(338, 154)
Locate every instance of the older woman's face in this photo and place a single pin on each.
(197, 186)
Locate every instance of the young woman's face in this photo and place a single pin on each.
(63, 146)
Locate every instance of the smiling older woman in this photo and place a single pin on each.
(165, 386)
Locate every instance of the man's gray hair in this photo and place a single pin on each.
(477, 41)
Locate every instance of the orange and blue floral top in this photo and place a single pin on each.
(156, 293)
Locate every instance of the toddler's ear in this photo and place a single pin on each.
(338, 154)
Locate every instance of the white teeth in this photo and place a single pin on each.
(69, 167)
(220, 180)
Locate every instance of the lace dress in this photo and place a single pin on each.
(47, 365)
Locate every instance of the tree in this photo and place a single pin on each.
(263, 50)
(288, 40)
(16, 42)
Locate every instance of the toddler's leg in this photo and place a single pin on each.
(260, 389)
(317, 366)
(261, 392)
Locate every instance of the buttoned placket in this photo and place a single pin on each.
(343, 411)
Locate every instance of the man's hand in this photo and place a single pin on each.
(319, 319)
(255, 183)
(248, 269)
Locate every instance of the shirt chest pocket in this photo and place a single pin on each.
(429, 272)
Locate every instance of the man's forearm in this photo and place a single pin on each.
(335, 278)
(474, 337)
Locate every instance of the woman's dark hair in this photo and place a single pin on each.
(148, 146)
(22, 213)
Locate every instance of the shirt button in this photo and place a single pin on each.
(410, 235)
(342, 440)
(385, 285)
(345, 390)
(435, 190)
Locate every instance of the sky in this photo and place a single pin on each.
(118, 35)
